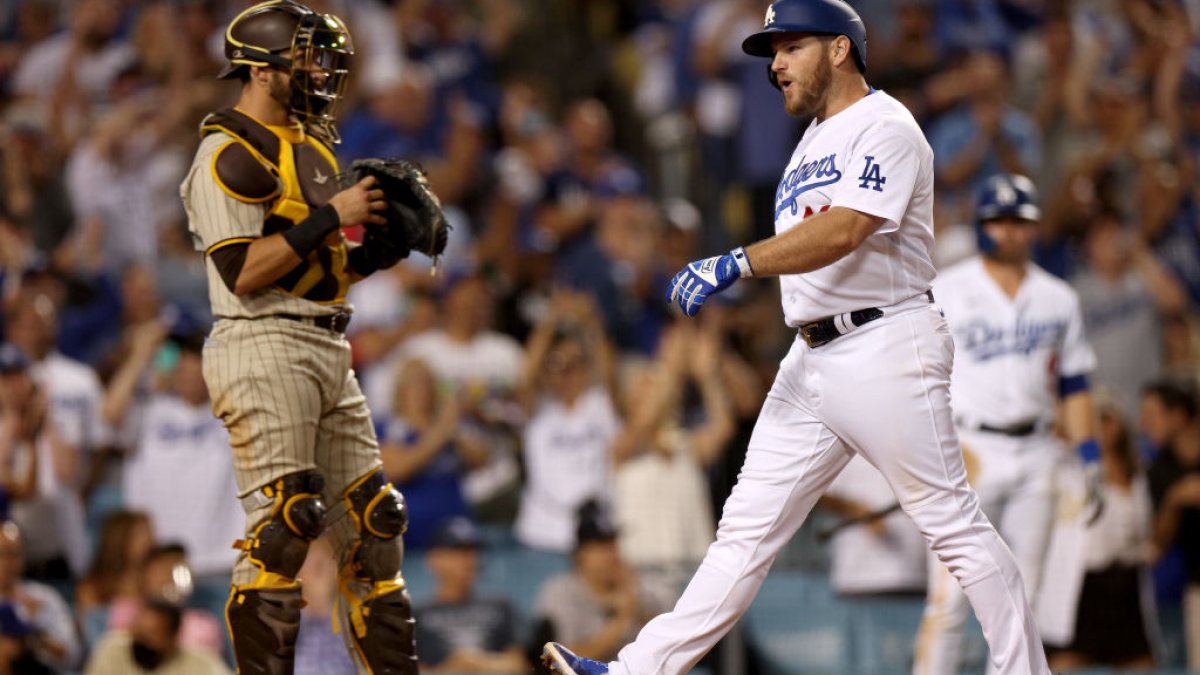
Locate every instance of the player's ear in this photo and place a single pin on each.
(260, 74)
(839, 50)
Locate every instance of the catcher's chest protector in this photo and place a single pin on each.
(304, 171)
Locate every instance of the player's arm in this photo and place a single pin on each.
(1079, 417)
(821, 240)
(267, 258)
(227, 204)
(1079, 420)
(888, 162)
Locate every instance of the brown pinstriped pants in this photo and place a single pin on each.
(288, 397)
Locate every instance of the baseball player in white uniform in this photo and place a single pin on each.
(869, 372)
(1019, 350)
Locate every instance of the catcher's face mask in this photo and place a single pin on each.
(313, 49)
(321, 52)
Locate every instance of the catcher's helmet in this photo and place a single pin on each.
(1004, 196)
(822, 17)
(314, 48)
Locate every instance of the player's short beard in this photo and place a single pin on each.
(279, 88)
(812, 93)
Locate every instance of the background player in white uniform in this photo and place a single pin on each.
(869, 372)
(1019, 349)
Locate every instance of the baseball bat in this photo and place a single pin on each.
(827, 533)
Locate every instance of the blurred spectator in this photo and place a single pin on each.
(982, 136)
(166, 575)
(179, 469)
(567, 391)
(426, 449)
(459, 631)
(319, 650)
(874, 563)
(37, 632)
(910, 59)
(40, 463)
(883, 554)
(459, 43)
(1123, 291)
(387, 311)
(661, 502)
(621, 267)
(482, 366)
(122, 181)
(151, 645)
(401, 118)
(22, 426)
(33, 194)
(77, 66)
(1169, 419)
(599, 606)
(1115, 614)
(122, 548)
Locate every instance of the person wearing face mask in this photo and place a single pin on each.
(151, 645)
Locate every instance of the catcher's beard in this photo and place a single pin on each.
(279, 88)
(811, 93)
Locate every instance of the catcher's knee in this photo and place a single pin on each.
(280, 543)
(380, 516)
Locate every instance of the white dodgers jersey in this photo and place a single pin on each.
(1011, 353)
(872, 158)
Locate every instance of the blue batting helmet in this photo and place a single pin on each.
(822, 17)
(1006, 195)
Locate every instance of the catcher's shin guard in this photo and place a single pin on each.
(264, 623)
(263, 616)
(380, 628)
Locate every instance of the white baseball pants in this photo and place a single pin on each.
(882, 391)
(1016, 487)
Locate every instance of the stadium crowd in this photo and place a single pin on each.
(536, 399)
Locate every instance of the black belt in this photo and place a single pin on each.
(824, 331)
(1017, 430)
(334, 322)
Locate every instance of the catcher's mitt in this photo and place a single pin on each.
(415, 221)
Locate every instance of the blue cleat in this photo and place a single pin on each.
(560, 660)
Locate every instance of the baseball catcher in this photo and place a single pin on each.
(265, 204)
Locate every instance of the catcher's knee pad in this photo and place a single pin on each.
(279, 544)
(379, 515)
(263, 624)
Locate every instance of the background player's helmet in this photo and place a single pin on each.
(822, 17)
(1006, 195)
(265, 33)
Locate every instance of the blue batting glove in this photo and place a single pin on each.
(702, 278)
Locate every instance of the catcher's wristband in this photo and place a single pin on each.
(1089, 450)
(305, 236)
(743, 263)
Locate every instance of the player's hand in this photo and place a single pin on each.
(360, 204)
(700, 279)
